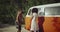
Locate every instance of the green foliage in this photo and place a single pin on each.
(7, 11)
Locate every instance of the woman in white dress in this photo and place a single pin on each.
(34, 24)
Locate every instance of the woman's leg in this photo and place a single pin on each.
(32, 31)
(37, 31)
(19, 28)
(19, 31)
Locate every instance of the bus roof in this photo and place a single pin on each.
(47, 5)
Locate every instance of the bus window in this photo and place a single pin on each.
(30, 12)
(52, 11)
(41, 12)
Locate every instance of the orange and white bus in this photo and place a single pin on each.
(51, 14)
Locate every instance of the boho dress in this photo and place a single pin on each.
(34, 24)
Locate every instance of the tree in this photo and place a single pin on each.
(8, 11)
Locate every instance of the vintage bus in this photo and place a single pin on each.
(51, 14)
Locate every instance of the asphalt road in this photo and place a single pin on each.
(12, 29)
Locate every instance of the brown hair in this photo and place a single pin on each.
(34, 10)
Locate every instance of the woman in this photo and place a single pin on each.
(34, 24)
(19, 20)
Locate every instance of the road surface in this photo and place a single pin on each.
(12, 29)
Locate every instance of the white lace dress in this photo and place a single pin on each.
(34, 24)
